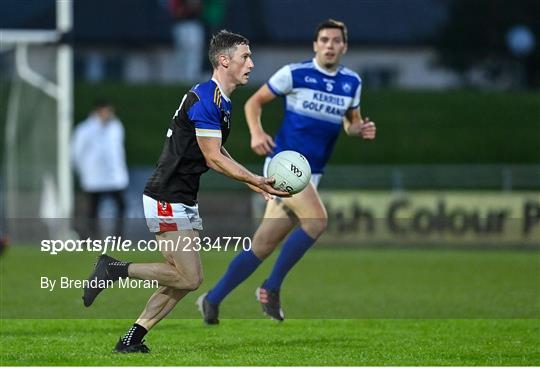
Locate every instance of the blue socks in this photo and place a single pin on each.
(294, 248)
(244, 264)
(240, 268)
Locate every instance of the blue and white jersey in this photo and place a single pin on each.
(316, 102)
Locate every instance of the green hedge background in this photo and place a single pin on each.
(413, 127)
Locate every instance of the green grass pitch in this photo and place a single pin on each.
(343, 307)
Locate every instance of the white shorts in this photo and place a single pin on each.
(163, 216)
(315, 178)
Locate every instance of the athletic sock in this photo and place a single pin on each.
(240, 268)
(134, 335)
(118, 269)
(293, 249)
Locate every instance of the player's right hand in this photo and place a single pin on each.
(264, 187)
(262, 144)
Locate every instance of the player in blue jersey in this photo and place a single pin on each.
(193, 144)
(322, 97)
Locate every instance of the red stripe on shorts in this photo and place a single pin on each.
(164, 209)
(164, 226)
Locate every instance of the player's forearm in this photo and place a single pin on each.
(253, 112)
(227, 154)
(224, 164)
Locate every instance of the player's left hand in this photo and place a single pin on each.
(368, 129)
(262, 143)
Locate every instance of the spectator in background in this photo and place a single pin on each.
(213, 16)
(99, 159)
(3, 244)
(188, 36)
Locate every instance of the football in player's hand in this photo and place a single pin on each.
(291, 171)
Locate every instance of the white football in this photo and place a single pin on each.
(291, 171)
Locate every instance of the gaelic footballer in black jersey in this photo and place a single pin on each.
(205, 111)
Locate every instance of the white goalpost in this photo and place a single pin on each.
(37, 175)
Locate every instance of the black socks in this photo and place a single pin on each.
(134, 335)
(118, 269)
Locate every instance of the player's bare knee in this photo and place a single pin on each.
(184, 281)
(314, 227)
(193, 282)
(177, 282)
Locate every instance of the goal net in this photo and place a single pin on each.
(37, 101)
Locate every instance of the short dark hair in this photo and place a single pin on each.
(101, 103)
(224, 41)
(331, 23)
